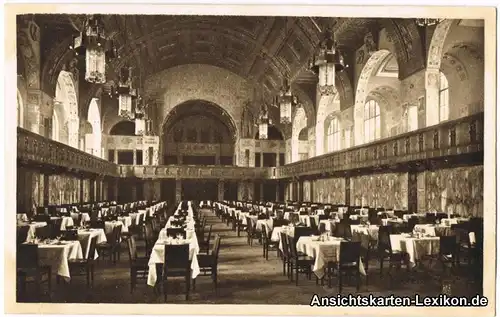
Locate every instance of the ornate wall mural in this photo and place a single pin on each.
(455, 190)
(380, 190)
(329, 190)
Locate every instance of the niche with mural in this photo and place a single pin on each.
(380, 190)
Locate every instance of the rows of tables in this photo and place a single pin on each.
(422, 242)
(56, 253)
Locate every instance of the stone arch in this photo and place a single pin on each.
(362, 92)
(326, 106)
(67, 102)
(54, 64)
(435, 53)
(93, 141)
(344, 89)
(299, 123)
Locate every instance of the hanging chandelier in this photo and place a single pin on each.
(286, 102)
(263, 123)
(125, 93)
(427, 22)
(93, 44)
(326, 62)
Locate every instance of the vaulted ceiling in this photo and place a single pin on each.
(260, 49)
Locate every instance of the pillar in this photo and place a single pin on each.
(277, 185)
(412, 192)
(178, 190)
(92, 190)
(135, 157)
(431, 97)
(261, 191)
(261, 161)
(81, 189)
(311, 191)
(347, 197)
(115, 156)
(46, 189)
(220, 190)
(300, 190)
(278, 158)
(115, 189)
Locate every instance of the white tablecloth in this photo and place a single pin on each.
(32, 229)
(268, 224)
(322, 252)
(57, 256)
(110, 225)
(85, 237)
(158, 255)
(416, 248)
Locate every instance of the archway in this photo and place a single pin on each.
(198, 132)
(67, 105)
(93, 141)
(299, 123)
(363, 90)
(326, 106)
(20, 110)
(432, 72)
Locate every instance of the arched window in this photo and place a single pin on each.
(333, 136)
(444, 104)
(372, 121)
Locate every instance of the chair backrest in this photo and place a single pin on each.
(447, 245)
(117, 230)
(91, 253)
(313, 224)
(301, 232)
(250, 228)
(176, 257)
(174, 232)
(384, 238)
(349, 252)
(323, 217)
(411, 223)
(70, 235)
(43, 232)
(279, 222)
(97, 224)
(284, 243)
(209, 234)
(265, 234)
(292, 246)
(27, 256)
(132, 248)
(22, 234)
(216, 248)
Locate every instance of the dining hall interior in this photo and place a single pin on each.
(196, 159)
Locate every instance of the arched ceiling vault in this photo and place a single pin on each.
(260, 49)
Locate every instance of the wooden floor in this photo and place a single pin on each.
(245, 277)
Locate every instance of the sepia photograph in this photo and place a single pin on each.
(250, 160)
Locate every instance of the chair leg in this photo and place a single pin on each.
(132, 280)
(340, 281)
(188, 284)
(297, 275)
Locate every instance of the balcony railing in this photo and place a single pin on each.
(32, 147)
(462, 136)
(194, 171)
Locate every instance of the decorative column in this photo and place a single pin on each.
(92, 190)
(178, 191)
(347, 197)
(81, 189)
(277, 191)
(431, 97)
(28, 41)
(220, 190)
(261, 159)
(261, 191)
(135, 157)
(300, 189)
(278, 157)
(311, 191)
(46, 188)
(412, 192)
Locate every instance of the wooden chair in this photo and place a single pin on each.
(112, 246)
(349, 262)
(385, 252)
(22, 234)
(79, 266)
(138, 265)
(298, 262)
(28, 266)
(267, 243)
(176, 264)
(208, 262)
(251, 232)
(205, 243)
